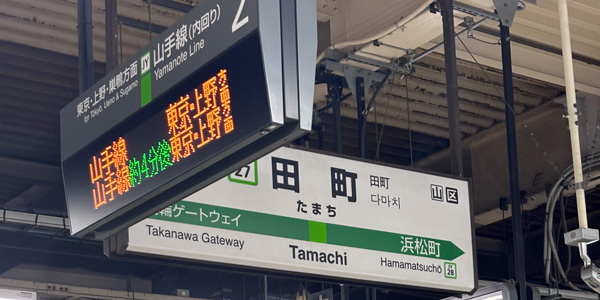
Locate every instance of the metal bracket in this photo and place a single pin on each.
(475, 11)
(351, 73)
(336, 56)
(579, 185)
(469, 22)
(581, 235)
(506, 10)
(590, 275)
(344, 65)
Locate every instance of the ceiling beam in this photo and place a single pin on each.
(493, 100)
(29, 196)
(390, 133)
(41, 89)
(544, 47)
(393, 147)
(178, 6)
(440, 101)
(402, 123)
(399, 104)
(29, 128)
(35, 76)
(471, 77)
(30, 170)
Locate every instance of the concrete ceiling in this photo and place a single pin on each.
(535, 34)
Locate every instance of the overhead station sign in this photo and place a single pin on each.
(299, 211)
(205, 97)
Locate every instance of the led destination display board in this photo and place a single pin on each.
(206, 96)
(174, 138)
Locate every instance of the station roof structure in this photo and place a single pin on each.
(408, 125)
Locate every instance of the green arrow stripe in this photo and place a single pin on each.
(304, 230)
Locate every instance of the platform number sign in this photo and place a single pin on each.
(247, 174)
(237, 23)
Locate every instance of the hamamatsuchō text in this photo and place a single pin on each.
(408, 265)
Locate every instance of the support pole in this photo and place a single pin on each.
(565, 37)
(452, 87)
(334, 91)
(266, 283)
(320, 136)
(86, 56)
(110, 17)
(344, 292)
(362, 121)
(513, 165)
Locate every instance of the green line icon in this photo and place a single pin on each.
(146, 81)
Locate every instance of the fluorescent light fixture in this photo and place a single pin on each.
(496, 291)
(7, 294)
(495, 297)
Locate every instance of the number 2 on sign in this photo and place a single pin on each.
(237, 23)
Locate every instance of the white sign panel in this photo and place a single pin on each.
(311, 213)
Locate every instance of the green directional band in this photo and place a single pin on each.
(292, 228)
